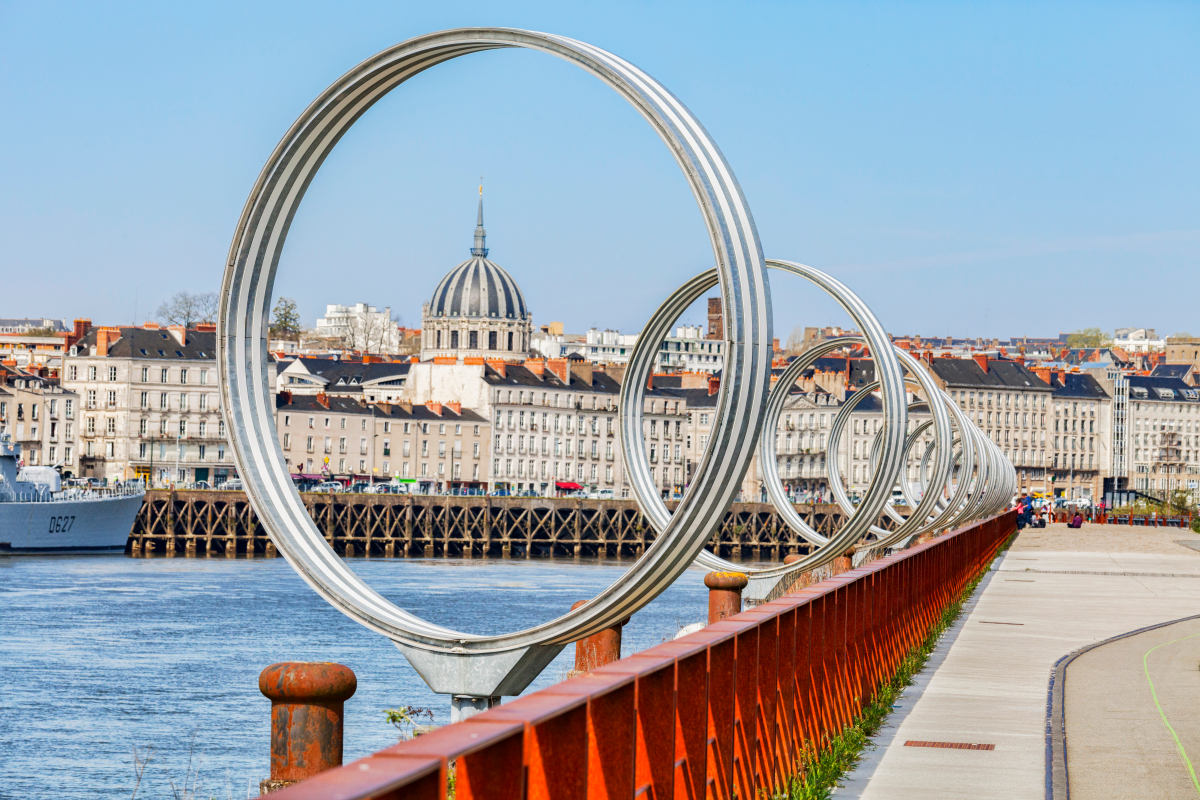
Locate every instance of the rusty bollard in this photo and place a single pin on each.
(724, 594)
(599, 648)
(306, 718)
(844, 562)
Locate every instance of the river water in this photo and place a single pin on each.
(103, 654)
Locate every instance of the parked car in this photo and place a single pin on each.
(233, 485)
(378, 488)
(329, 487)
(359, 488)
(200, 485)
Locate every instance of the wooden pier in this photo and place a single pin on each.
(217, 523)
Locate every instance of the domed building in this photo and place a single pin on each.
(476, 310)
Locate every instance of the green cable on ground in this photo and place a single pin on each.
(1154, 696)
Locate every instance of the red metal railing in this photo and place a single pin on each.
(727, 710)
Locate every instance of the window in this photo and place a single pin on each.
(162, 400)
(163, 376)
(183, 402)
(182, 428)
(145, 403)
(112, 373)
(91, 373)
(112, 403)
(342, 423)
(203, 377)
(287, 441)
(201, 451)
(91, 398)
(203, 402)
(142, 425)
(387, 428)
(73, 373)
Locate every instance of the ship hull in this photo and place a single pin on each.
(68, 526)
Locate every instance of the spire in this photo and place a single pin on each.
(480, 248)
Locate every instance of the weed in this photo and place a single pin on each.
(406, 718)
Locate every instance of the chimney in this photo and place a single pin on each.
(714, 384)
(650, 382)
(447, 360)
(286, 397)
(455, 407)
(105, 337)
(982, 360)
(583, 372)
(537, 366)
(1043, 373)
(179, 332)
(436, 408)
(414, 360)
(559, 366)
(323, 400)
(81, 328)
(497, 365)
(775, 344)
(1062, 377)
(206, 327)
(150, 326)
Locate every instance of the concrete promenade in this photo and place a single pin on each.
(1055, 591)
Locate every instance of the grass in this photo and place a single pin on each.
(821, 770)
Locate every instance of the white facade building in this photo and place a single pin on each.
(360, 327)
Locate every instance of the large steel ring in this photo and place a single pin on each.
(246, 294)
(887, 366)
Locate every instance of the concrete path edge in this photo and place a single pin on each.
(1057, 786)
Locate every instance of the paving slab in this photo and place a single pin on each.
(1056, 590)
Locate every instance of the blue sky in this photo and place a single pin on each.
(968, 169)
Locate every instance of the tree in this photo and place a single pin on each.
(187, 309)
(40, 332)
(795, 341)
(285, 320)
(1089, 337)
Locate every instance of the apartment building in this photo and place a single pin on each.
(1081, 443)
(554, 422)
(40, 415)
(1010, 404)
(1163, 420)
(439, 447)
(148, 405)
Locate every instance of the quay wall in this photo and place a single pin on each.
(730, 711)
(198, 522)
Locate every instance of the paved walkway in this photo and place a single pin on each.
(1118, 744)
(1056, 590)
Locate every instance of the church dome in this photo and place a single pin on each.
(478, 287)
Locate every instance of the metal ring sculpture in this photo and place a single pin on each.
(468, 665)
(929, 514)
(451, 661)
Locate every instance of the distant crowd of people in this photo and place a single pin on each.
(1031, 516)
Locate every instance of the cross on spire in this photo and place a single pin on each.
(480, 248)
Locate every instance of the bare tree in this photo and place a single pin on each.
(795, 340)
(187, 309)
(372, 333)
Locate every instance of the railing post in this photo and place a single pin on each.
(724, 594)
(600, 648)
